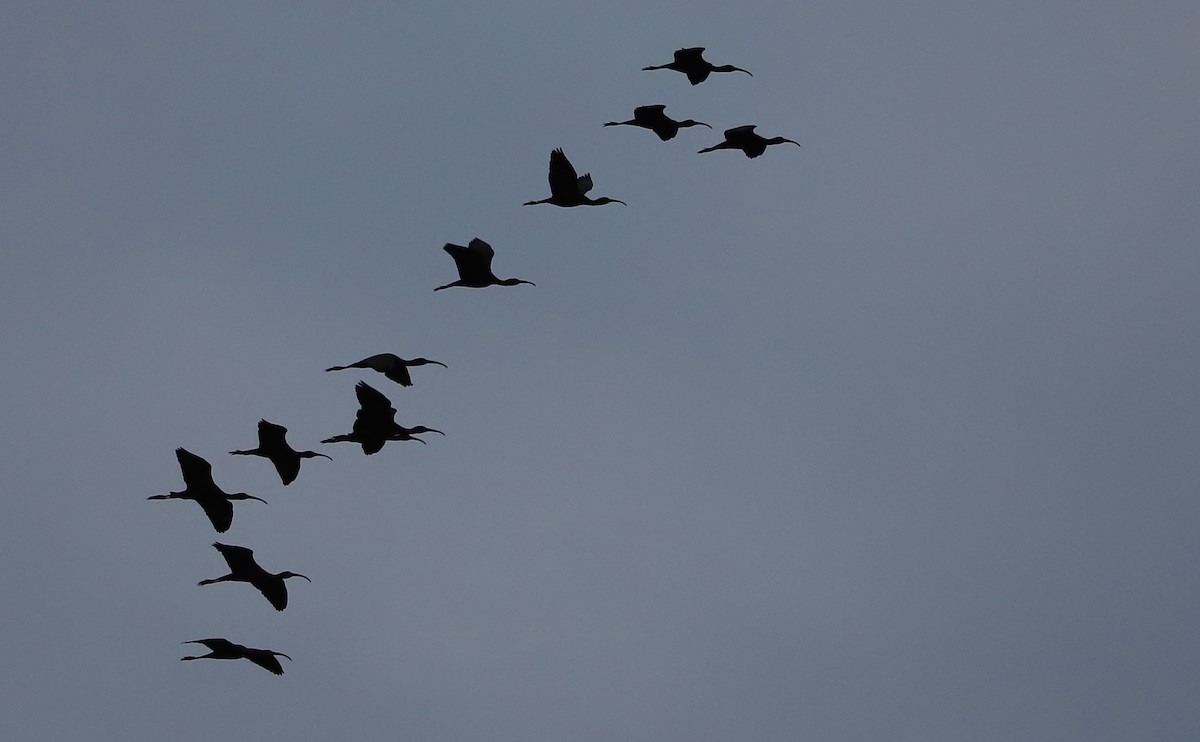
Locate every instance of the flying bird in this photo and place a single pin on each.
(223, 649)
(744, 138)
(243, 568)
(692, 63)
(656, 120)
(273, 446)
(390, 365)
(375, 423)
(569, 189)
(474, 264)
(200, 488)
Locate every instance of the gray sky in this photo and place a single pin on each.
(893, 436)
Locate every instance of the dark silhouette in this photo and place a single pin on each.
(569, 189)
(223, 649)
(744, 138)
(390, 365)
(474, 264)
(375, 423)
(243, 568)
(656, 120)
(271, 445)
(691, 62)
(200, 488)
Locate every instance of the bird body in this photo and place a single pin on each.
(243, 568)
(692, 63)
(223, 649)
(200, 488)
(656, 120)
(568, 188)
(745, 139)
(474, 263)
(390, 365)
(375, 423)
(272, 445)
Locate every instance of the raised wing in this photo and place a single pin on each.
(563, 179)
(271, 435)
(691, 55)
(239, 558)
(196, 471)
(739, 133)
(649, 113)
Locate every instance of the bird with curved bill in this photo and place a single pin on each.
(273, 446)
(745, 139)
(243, 568)
(692, 63)
(656, 120)
(200, 489)
(375, 423)
(390, 365)
(474, 263)
(569, 189)
(223, 649)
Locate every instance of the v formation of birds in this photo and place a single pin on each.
(375, 422)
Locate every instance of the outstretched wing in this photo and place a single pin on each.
(563, 179)
(584, 183)
(265, 659)
(219, 512)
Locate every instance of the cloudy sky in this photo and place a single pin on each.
(892, 436)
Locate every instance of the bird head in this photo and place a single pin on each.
(515, 281)
(423, 429)
(691, 122)
(312, 455)
(606, 200)
(244, 496)
(285, 575)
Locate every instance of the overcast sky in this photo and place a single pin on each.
(893, 436)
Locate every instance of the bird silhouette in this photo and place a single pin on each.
(390, 365)
(656, 120)
(569, 189)
(200, 488)
(243, 568)
(223, 649)
(474, 264)
(375, 423)
(744, 138)
(273, 446)
(692, 63)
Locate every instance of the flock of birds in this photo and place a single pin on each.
(375, 422)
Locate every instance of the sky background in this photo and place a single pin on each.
(892, 436)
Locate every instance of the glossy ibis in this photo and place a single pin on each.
(243, 568)
(744, 138)
(375, 423)
(223, 649)
(273, 446)
(569, 189)
(200, 488)
(692, 63)
(656, 120)
(474, 264)
(390, 365)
